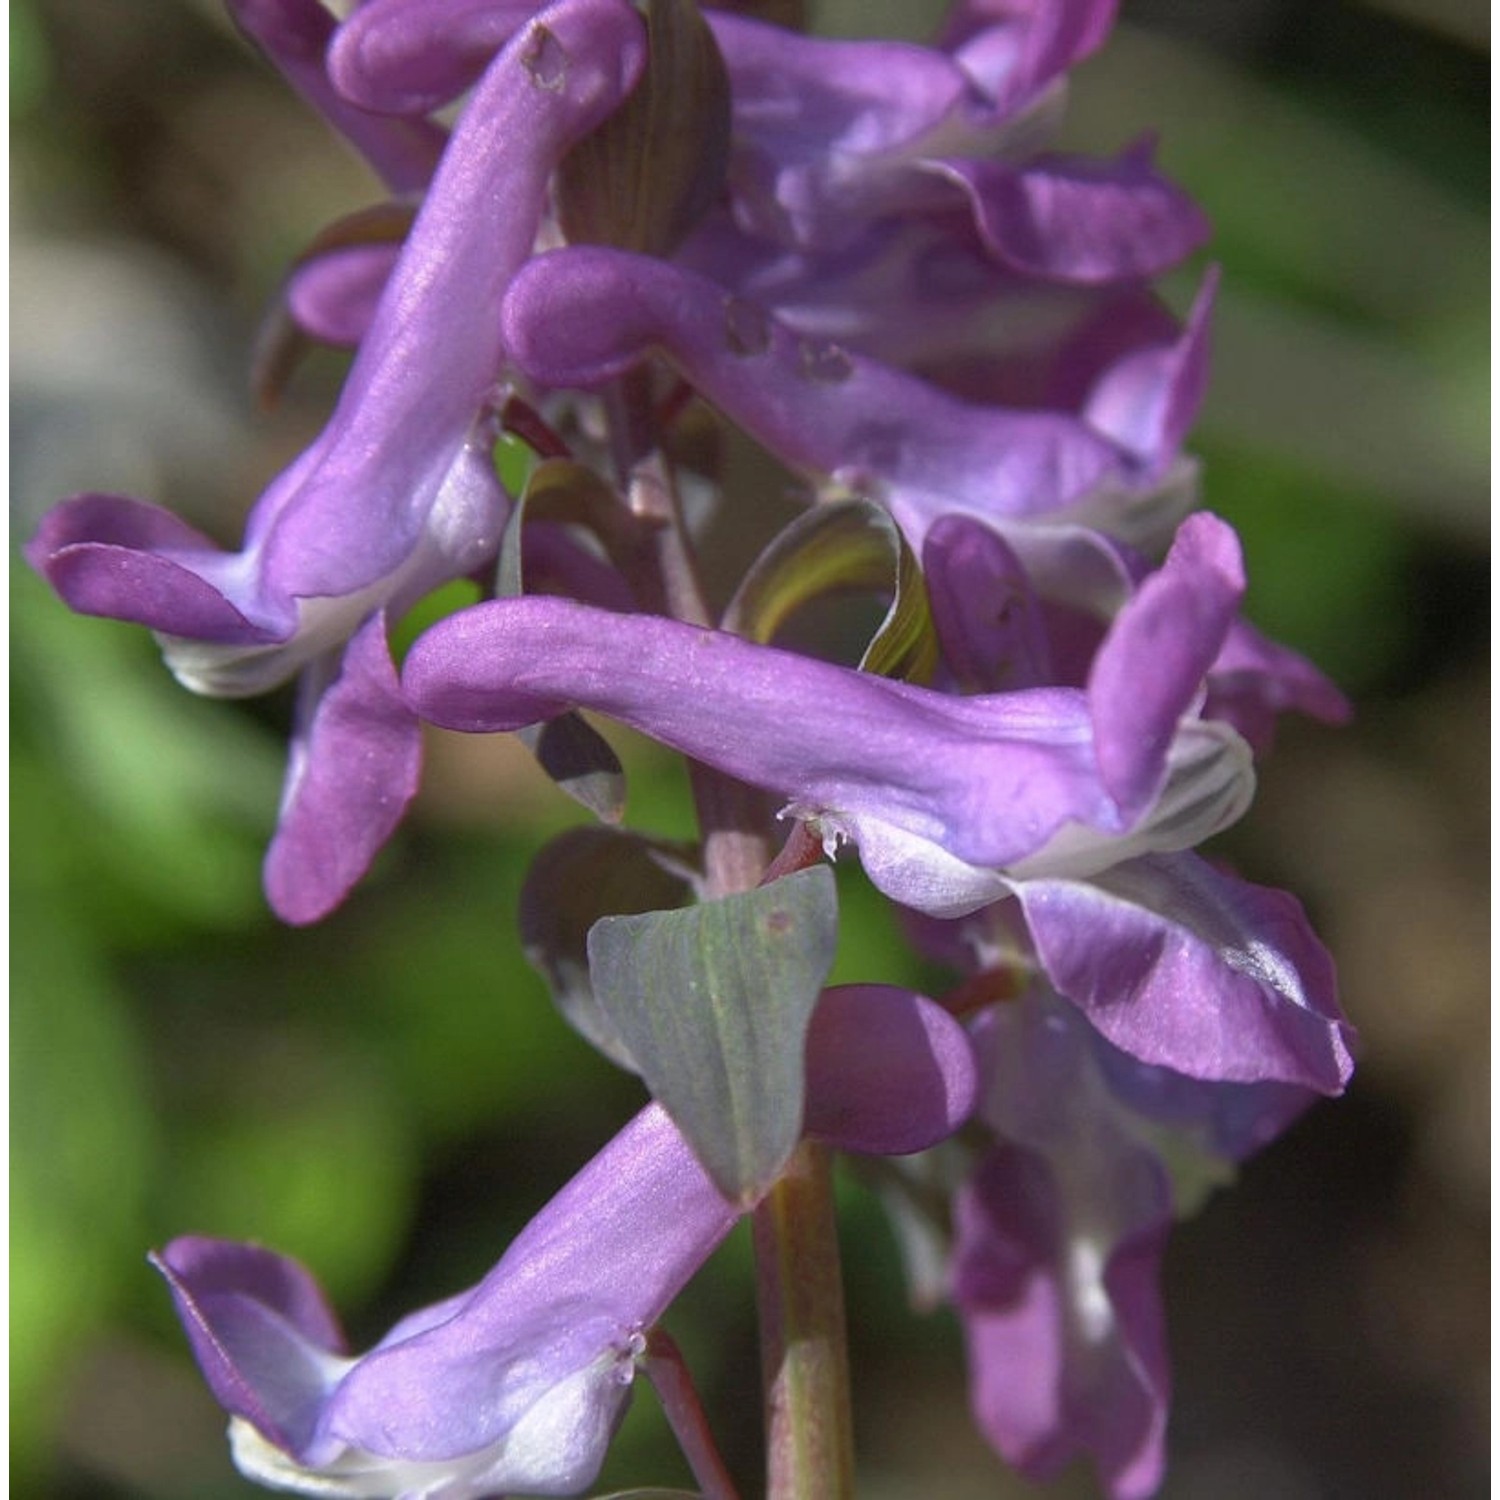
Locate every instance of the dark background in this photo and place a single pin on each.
(389, 1095)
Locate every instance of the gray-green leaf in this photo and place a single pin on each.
(583, 875)
(713, 1003)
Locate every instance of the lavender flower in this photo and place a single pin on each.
(397, 495)
(941, 795)
(519, 1384)
(1050, 480)
(1081, 803)
(1060, 1231)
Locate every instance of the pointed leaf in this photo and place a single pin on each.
(713, 1002)
(850, 545)
(583, 875)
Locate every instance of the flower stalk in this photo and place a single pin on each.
(804, 1347)
(799, 1286)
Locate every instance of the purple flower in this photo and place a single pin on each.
(1184, 965)
(924, 294)
(397, 495)
(409, 57)
(853, 211)
(1060, 1233)
(519, 1384)
(1178, 963)
(1003, 626)
(1051, 480)
(834, 135)
(947, 799)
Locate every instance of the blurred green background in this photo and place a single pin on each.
(389, 1095)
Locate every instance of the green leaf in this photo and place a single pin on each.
(713, 1003)
(581, 876)
(577, 757)
(844, 546)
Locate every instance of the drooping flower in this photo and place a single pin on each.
(1050, 480)
(1060, 1229)
(943, 796)
(396, 496)
(518, 1385)
(1083, 803)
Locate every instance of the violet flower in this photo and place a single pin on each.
(831, 186)
(518, 1385)
(1061, 1228)
(397, 495)
(833, 135)
(1003, 627)
(1051, 481)
(1081, 803)
(944, 797)
(1178, 963)
(923, 294)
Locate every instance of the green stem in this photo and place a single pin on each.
(798, 1275)
(804, 1353)
(799, 1278)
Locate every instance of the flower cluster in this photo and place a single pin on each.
(861, 258)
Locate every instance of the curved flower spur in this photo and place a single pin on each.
(519, 1384)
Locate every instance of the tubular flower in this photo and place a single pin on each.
(518, 1385)
(396, 496)
(1060, 1231)
(581, 316)
(873, 185)
(943, 796)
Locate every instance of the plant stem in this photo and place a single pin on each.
(799, 1279)
(798, 1276)
(804, 1353)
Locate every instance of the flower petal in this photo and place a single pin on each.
(1013, 51)
(580, 316)
(354, 767)
(335, 297)
(413, 56)
(1195, 970)
(425, 368)
(888, 1072)
(1254, 679)
(1151, 666)
(268, 1346)
(992, 777)
(119, 558)
(1077, 219)
(1062, 1313)
(939, 793)
(1147, 401)
(825, 130)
